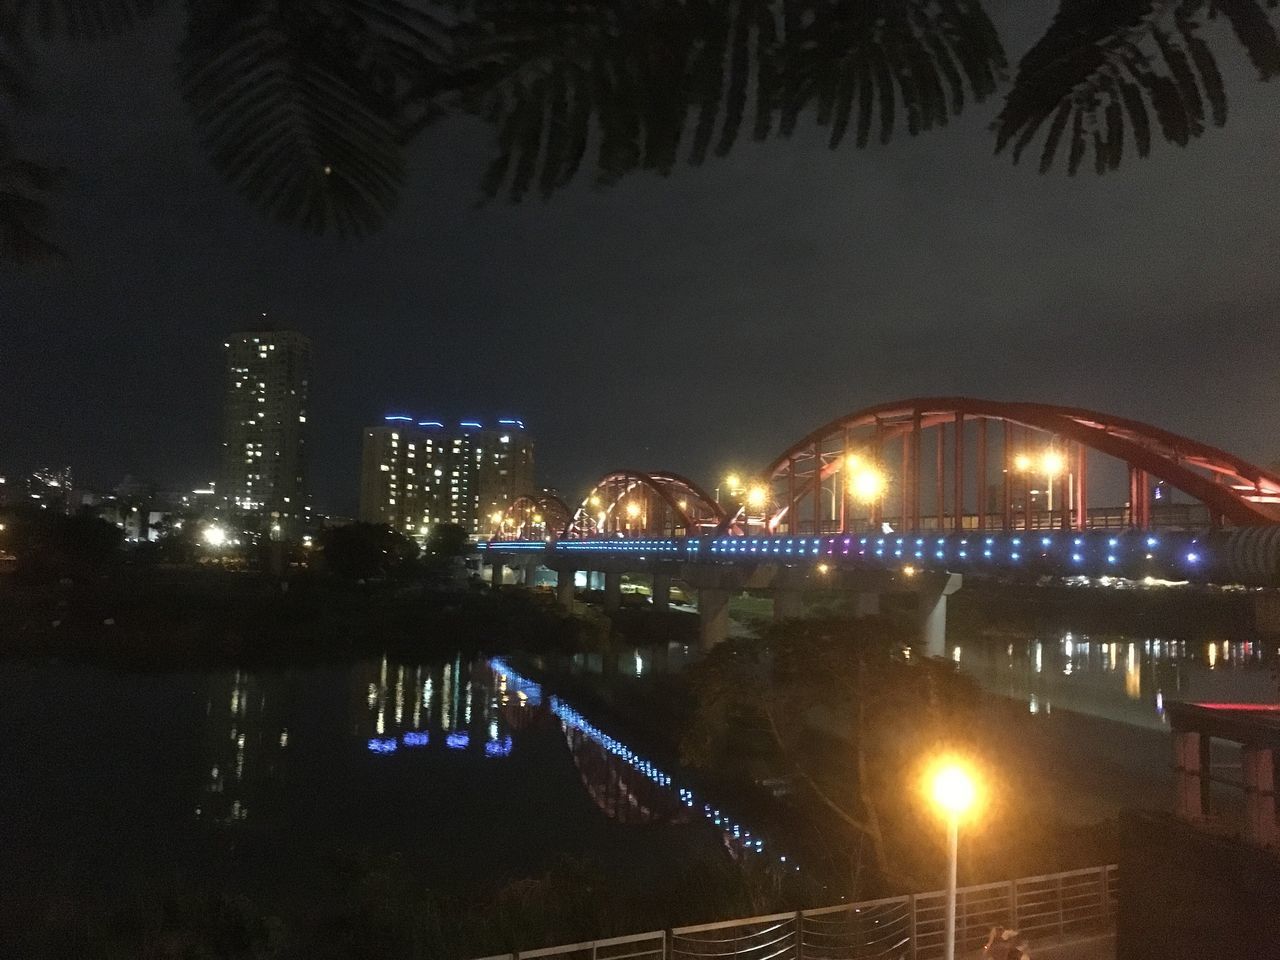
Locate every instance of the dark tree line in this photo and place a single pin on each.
(307, 107)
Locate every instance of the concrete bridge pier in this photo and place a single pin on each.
(931, 610)
(612, 590)
(529, 572)
(1266, 612)
(713, 616)
(866, 604)
(564, 587)
(662, 592)
(497, 570)
(788, 603)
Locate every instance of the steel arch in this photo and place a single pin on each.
(533, 516)
(668, 504)
(1234, 491)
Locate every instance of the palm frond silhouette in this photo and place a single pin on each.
(303, 104)
(1122, 71)
(647, 81)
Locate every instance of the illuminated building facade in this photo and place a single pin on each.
(264, 457)
(504, 458)
(402, 471)
(415, 473)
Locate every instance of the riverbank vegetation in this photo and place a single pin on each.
(145, 619)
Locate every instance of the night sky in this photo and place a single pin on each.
(694, 323)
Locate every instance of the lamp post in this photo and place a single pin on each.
(954, 792)
(865, 484)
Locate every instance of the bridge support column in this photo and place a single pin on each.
(662, 592)
(612, 591)
(713, 616)
(564, 588)
(788, 604)
(497, 570)
(528, 573)
(866, 604)
(931, 600)
(1190, 757)
(1266, 612)
(1259, 796)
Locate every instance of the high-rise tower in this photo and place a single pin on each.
(264, 459)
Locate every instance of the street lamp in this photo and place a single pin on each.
(1052, 463)
(954, 792)
(867, 485)
(757, 497)
(214, 536)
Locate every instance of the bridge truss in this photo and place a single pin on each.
(532, 517)
(634, 503)
(951, 464)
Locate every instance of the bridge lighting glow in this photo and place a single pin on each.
(633, 510)
(537, 518)
(733, 483)
(823, 569)
(214, 536)
(496, 517)
(867, 485)
(1052, 463)
(594, 500)
(852, 462)
(1022, 463)
(757, 497)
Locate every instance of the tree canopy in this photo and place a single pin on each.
(307, 107)
(843, 709)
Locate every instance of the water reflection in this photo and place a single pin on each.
(629, 788)
(481, 708)
(453, 705)
(245, 739)
(1121, 678)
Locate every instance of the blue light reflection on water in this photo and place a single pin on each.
(472, 710)
(735, 836)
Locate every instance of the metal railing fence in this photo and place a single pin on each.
(1077, 902)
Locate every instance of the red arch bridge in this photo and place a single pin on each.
(928, 490)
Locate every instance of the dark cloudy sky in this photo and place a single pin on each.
(692, 323)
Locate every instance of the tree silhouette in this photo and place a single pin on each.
(640, 78)
(307, 106)
(73, 19)
(1105, 68)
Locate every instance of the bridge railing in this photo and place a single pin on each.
(1077, 902)
(1175, 516)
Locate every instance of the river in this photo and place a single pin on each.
(472, 776)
